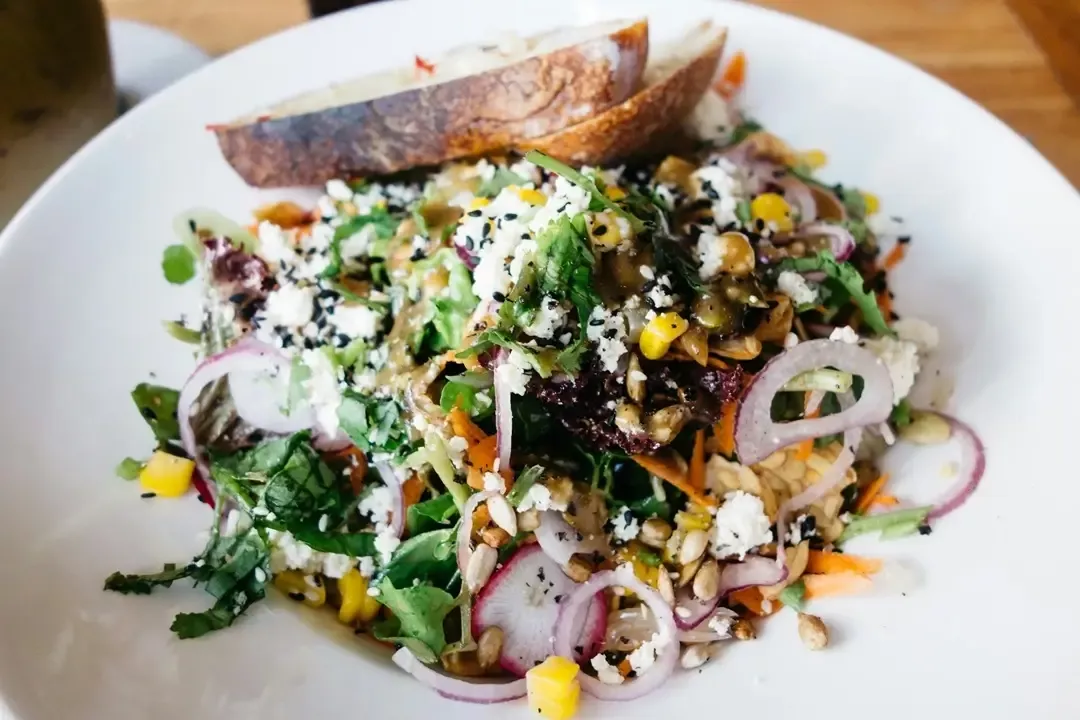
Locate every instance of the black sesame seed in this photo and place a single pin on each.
(610, 333)
(904, 239)
(256, 436)
(524, 236)
(191, 224)
(540, 574)
(309, 344)
(499, 297)
(599, 230)
(510, 216)
(475, 213)
(297, 596)
(148, 495)
(925, 530)
(596, 322)
(759, 224)
(487, 230)
(237, 298)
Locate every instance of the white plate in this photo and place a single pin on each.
(147, 59)
(992, 631)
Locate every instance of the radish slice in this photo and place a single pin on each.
(561, 541)
(464, 535)
(523, 599)
(393, 482)
(972, 467)
(756, 434)
(455, 688)
(841, 240)
(689, 610)
(667, 656)
(504, 419)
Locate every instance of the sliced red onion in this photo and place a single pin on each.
(455, 688)
(841, 239)
(799, 197)
(690, 610)
(393, 482)
(702, 633)
(561, 541)
(753, 571)
(666, 658)
(523, 598)
(825, 484)
(972, 467)
(262, 394)
(504, 419)
(464, 535)
(757, 435)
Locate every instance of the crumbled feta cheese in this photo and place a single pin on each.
(549, 317)
(608, 331)
(924, 335)
(626, 526)
(713, 118)
(386, 542)
(358, 244)
(526, 170)
(721, 625)
(665, 195)
(740, 525)
(711, 253)
(336, 565)
(495, 482)
(720, 183)
(795, 287)
(844, 334)
(884, 226)
(378, 505)
(644, 656)
(494, 234)
(605, 671)
(455, 449)
(274, 245)
(319, 239)
(901, 358)
(290, 305)
(660, 295)
(366, 566)
(326, 207)
(339, 190)
(323, 389)
(514, 371)
(356, 321)
(288, 553)
(567, 199)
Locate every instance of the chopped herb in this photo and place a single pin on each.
(375, 425)
(129, 468)
(901, 414)
(899, 521)
(584, 182)
(182, 333)
(793, 596)
(502, 178)
(744, 130)
(525, 480)
(157, 405)
(849, 280)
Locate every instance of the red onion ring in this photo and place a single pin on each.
(560, 541)
(972, 467)
(751, 572)
(666, 658)
(504, 419)
(840, 238)
(391, 480)
(702, 633)
(756, 434)
(689, 610)
(464, 535)
(454, 688)
(800, 197)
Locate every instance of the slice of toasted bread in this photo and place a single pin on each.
(474, 101)
(675, 81)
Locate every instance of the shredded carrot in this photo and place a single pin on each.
(885, 501)
(884, 303)
(424, 65)
(752, 599)
(725, 429)
(697, 462)
(667, 468)
(481, 460)
(354, 456)
(832, 563)
(895, 256)
(412, 489)
(866, 498)
(463, 426)
(625, 668)
(842, 583)
(733, 76)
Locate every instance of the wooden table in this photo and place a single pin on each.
(977, 46)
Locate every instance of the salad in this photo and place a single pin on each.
(543, 428)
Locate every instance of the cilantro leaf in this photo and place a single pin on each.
(178, 264)
(430, 514)
(382, 222)
(585, 183)
(143, 584)
(157, 404)
(849, 279)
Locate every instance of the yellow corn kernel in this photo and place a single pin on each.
(357, 606)
(305, 588)
(813, 159)
(478, 202)
(615, 192)
(533, 197)
(553, 687)
(661, 331)
(872, 203)
(692, 520)
(772, 208)
(381, 204)
(167, 475)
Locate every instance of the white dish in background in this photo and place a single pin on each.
(990, 632)
(147, 59)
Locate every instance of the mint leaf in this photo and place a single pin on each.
(143, 584)
(178, 264)
(430, 514)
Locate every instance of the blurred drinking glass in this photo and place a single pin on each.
(56, 89)
(325, 7)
